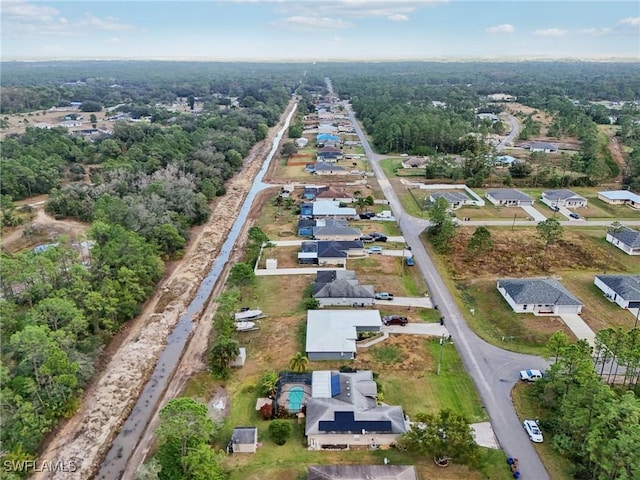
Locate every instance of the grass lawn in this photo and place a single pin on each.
(387, 274)
(526, 406)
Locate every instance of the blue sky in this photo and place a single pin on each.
(320, 30)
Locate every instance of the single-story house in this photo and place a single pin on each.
(311, 191)
(454, 199)
(509, 197)
(340, 287)
(622, 289)
(244, 439)
(334, 193)
(349, 416)
(330, 208)
(540, 296)
(70, 123)
(42, 125)
(328, 229)
(329, 157)
(438, 104)
(627, 240)
(502, 97)
(305, 227)
(329, 252)
(361, 472)
(326, 127)
(543, 147)
(620, 197)
(332, 334)
(327, 138)
(488, 116)
(329, 150)
(328, 168)
(415, 162)
(563, 198)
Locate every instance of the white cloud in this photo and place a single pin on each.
(504, 28)
(632, 21)
(21, 18)
(550, 32)
(299, 22)
(353, 8)
(596, 32)
(398, 17)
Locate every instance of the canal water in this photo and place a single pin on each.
(123, 445)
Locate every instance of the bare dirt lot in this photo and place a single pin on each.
(87, 435)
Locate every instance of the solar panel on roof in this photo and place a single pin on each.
(345, 422)
(335, 385)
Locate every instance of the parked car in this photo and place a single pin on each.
(530, 375)
(409, 261)
(555, 208)
(367, 215)
(377, 250)
(395, 320)
(383, 296)
(533, 430)
(379, 237)
(574, 215)
(367, 238)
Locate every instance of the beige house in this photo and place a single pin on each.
(244, 439)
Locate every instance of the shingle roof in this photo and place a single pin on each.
(361, 472)
(509, 194)
(329, 167)
(544, 145)
(340, 284)
(626, 286)
(562, 195)
(336, 230)
(628, 237)
(542, 291)
(451, 197)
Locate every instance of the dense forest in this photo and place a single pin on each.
(141, 187)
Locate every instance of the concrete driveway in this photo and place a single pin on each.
(535, 214)
(421, 302)
(430, 329)
(580, 329)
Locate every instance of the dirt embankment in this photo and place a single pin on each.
(86, 437)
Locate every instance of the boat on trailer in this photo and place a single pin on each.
(245, 326)
(248, 315)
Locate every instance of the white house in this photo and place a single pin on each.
(344, 413)
(332, 334)
(540, 296)
(621, 289)
(509, 197)
(563, 198)
(620, 197)
(627, 240)
(454, 199)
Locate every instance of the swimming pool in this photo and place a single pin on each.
(296, 398)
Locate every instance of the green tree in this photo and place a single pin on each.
(443, 436)
(520, 169)
(550, 232)
(480, 242)
(555, 345)
(241, 275)
(187, 422)
(269, 384)
(442, 230)
(298, 363)
(222, 354)
(202, 463)
(279, 431)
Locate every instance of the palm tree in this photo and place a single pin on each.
(298, 363)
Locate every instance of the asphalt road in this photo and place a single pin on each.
(515, 130)
(493, 370)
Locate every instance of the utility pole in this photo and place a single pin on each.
(513, 226)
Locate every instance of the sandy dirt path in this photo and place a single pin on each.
(86, 437)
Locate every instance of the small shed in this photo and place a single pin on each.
(240, 359)
(244, 439)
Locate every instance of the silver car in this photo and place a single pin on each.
(533, 430)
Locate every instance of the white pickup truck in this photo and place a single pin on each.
(530, 375)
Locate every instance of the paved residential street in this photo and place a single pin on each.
(494, 371)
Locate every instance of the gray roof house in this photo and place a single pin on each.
(627, 240)
(563, 198)
(361, 472)
(329, 252)
(328, 229)
(326, 168)
(332, 334)
(621, 289)
(332, 208)
(454, 199)
(509, 197)
(540, 296)
(244, 439)
(543, 147)
(340, 287)
(344, 413)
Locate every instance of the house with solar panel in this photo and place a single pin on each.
(343, 413)
(540, 296)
